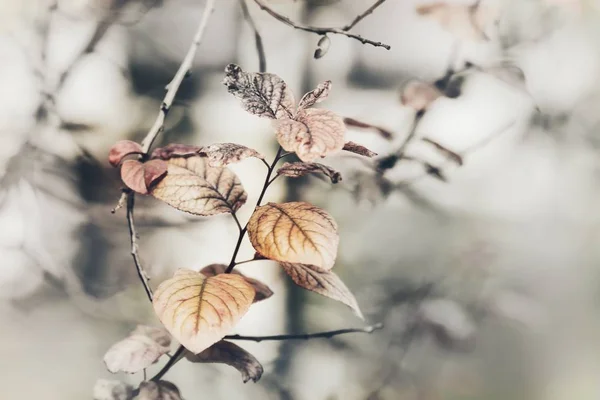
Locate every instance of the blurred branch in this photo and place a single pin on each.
(307, 336)
(322, 31)
(363, 15)
(260, 49)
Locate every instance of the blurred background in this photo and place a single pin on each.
(486, 275)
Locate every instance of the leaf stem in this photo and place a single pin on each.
(172, 361)
(306, 336)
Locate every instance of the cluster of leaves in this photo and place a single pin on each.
(199, 308)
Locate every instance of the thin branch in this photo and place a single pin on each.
(134, 246)
(237, 221)
(317, 30)
(306, 336)
(363, 15)
(172, 361)
(260, 49)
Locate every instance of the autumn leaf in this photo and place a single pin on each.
(294, 232)
(122, 149)
(297, 169)
(419, 95)
(198, 310)
(191, 185)
(315, 96)
(312, 134)
(158, 334)
(161, 390)
(262, 94)
(465, 21)
(323, 282)
(221, 154)
(133, 354)
(384, 133)
(262, 291)
(358, 149)
(225, 352)
(141, 177)
(105, 389)
(176, 150)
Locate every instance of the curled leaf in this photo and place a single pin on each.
(105, 389)
(315, 96)
(133, 354)
(193, 186)
(358, 149)
(221, 154)
(297, 169)
(198, 310)
(419, 95)
(176, 150)
(314, 133)
(262, 291)
(294, 232)
(122, 149)
(225, 352)
(160, 390)
(384, 133)
(452, 155)
(141, 177)
(262, 94)
(323, 282)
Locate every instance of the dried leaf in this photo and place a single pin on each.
(140, 177)
(221, 154)
(122, 149)
(297, 169)
(315, 96)
(358, 149)
(161, 390)
(158, 334)
(176, 150)
(419, 95)
(198, 310)
(191, 185)
(262, 94)
(231, 354)
(323, 282)
(133, 354)
(263, 292)
(105, 389)
(313, 134)
(384, 133)
(457, 158)
(294, 232)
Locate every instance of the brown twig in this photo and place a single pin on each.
(319, 30)
(363, 15)
(306, 336)
(260, 49)
(134, 246)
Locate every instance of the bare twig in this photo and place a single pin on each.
(363, 15)
(134, 246)
(317, 30)
(260, 49)
(306, 336)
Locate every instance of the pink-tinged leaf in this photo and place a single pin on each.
(262, 94)
(466, 21)
(358, 149)
(262, 291)
(222, 154)
(132, 175)
(133, 354)
(231, 354)
(158, 334)
(298, 169)
(313, 134)
(176, 150)
(419, 95)
(323, 282)
(315, 96)
(154, 171)
(384, 133)
(122, 149)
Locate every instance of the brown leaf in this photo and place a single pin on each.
(294, 232)
(384, 133)
(262, 94)
(176, 150)
(419, 95)
(121, 149)
(263, 292)
(358, 149)
(314, 133)
(140, 177)
(315, 96)
(323, 282)
(198, 310)
(161, 390)
(457, 158)
(297, 169)
(133, 354)
(191, 185)
(105, 389)
(158, 334)
(221, 154)
(231, 354)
